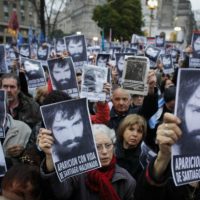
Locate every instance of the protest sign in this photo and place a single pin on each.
(134, 78)
(166, 60)
(76, 47)
(152, 53)
(3, 68)
(62, 74)
(93, 79)
(2, 113)
(186, 152)
(194, 61)
(74, 150)
(102, 59)
(34, 72)
(3, 167)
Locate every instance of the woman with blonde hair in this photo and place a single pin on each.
(130, 135)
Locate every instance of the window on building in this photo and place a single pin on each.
(21, 2)
(22, 16)
(5, 9)
(14, 5)
(1, 29)
(30, 5)
(6, 16)
(5, 3)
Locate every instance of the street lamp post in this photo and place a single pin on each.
(95, 39)
(179, 34)
(152, 5)
(78, 33)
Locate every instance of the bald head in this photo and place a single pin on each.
(119, 90)
(121, 100)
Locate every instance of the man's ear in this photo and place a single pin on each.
(111, 98)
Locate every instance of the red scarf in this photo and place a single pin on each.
(100, 181)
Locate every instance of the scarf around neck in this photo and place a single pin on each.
(99, 181)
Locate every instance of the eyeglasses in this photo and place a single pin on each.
(107, 146)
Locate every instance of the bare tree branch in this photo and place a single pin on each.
(36, 6)
(43, 9)
(56, 17)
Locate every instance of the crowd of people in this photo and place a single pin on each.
(120, 125)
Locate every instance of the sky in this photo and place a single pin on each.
(195, 4)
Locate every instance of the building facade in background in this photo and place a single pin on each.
(174, 17)
(26, 17)
(197, 18)
(77, 18)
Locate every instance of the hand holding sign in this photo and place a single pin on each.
(168, 134)
(45, 141)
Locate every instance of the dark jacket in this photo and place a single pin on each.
(116, 118)
(76, 189)
(129, 159)
(27, 111)
(164, 189)
(151, 132)
(148, 108)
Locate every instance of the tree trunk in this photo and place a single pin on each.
(42, 17)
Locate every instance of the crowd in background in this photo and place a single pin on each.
(121, 125)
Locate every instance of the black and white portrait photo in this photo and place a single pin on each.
(2, 113)
(42, 52)
(120, 63)
(134, 46)
(24, 50)
(186, 152)
(60, 45)
(73, 139)
(175, 54)
(137, 39)
(131, 50)
(63, 75)
(76, 47)
(34, 50)
(2, 59)
(152, 53)
(134, 78)
(52, 51)
(196, 44)
(160, 41)
(93, 79)
(167, 62)
(102, 59)
(11, 56)
(134, 71)
(113, 50)
(11, 53)
(3, 167)
(94, 50)
(34, 72)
